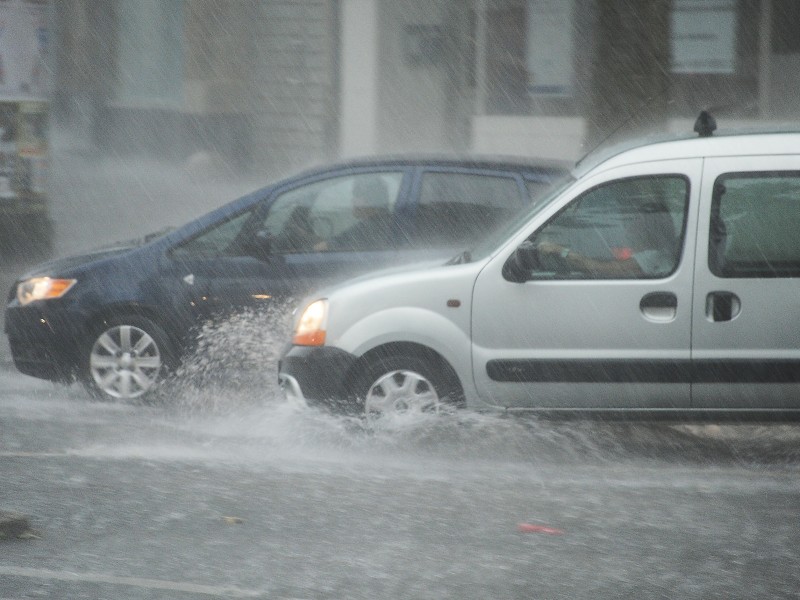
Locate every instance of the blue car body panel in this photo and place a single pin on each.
(48, 337)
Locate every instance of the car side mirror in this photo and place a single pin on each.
(260, 245)
(519, 265)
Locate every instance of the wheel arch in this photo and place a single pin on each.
(402, 348)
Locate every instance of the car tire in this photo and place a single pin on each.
(402, 383)
(126, 358)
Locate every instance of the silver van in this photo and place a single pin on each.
(663, 277)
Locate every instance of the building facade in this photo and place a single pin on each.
(251, 82)
(272, 85)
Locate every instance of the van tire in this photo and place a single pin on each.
(402, 383)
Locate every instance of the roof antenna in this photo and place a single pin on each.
(705, 124)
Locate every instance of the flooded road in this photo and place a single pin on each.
(238, 493)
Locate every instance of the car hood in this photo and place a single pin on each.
(65, 264)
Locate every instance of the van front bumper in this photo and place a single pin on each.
(315, 375)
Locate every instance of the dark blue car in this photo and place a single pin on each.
(117, 320)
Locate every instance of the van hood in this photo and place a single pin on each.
(421, 265)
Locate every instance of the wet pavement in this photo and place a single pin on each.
(226, 495)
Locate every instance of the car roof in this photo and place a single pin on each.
(717, 145)
(473, 161)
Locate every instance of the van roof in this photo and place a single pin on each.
(719, 144)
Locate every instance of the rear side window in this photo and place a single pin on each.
(537, 189)
(352, 213)
(456, 209)
(755, 220)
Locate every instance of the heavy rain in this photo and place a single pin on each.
(219, 485)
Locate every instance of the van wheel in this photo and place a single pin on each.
(126, 358)
(402, 384)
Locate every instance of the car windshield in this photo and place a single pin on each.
(139, 241)
(492, 242)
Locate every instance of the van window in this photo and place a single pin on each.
(455, 209)
(637, 223)
(755, 219)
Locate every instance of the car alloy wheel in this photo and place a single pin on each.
(127, 358)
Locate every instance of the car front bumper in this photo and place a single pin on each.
(45, 340)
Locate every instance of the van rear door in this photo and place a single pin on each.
(746, 333)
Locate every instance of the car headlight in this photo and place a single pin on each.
(310, 329)
(43, 288)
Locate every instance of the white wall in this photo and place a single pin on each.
(358, 63)
(559, 138)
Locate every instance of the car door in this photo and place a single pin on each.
(306, 235)
(747, 291)
(567, 336)
(452, 209)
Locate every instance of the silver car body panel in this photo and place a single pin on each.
(593, 324)
(499, 326)
(430, 307)
(765, 327)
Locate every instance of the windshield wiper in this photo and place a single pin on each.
(460, 258)
(157, 234)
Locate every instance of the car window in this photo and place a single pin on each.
(631, 228)
(344, 214)
(537, 189)
(455, 209)
(223, 239)
(754, 223)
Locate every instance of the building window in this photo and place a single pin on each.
(715, 57)
(150, 59)
(703, 37)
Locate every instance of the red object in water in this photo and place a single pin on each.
(531, 528)
(622, 253)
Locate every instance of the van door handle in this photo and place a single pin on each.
(722, 306)
(659, 307)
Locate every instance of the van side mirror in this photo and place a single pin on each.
(519, 265)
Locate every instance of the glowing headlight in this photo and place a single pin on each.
(310, 329)
(43, 288)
